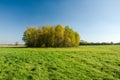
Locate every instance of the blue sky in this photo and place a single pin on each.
(94, 20)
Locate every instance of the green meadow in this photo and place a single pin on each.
(79, 63)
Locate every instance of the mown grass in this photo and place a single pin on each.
(82, 63)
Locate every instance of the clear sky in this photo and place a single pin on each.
(94, 20)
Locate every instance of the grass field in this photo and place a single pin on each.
(82, 63)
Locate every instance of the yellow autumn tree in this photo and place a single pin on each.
(51, 36)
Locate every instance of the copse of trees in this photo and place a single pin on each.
(51, 36)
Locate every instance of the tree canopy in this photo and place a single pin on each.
(51, 36)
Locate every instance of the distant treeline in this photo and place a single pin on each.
(82, 42)
(51, 36)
